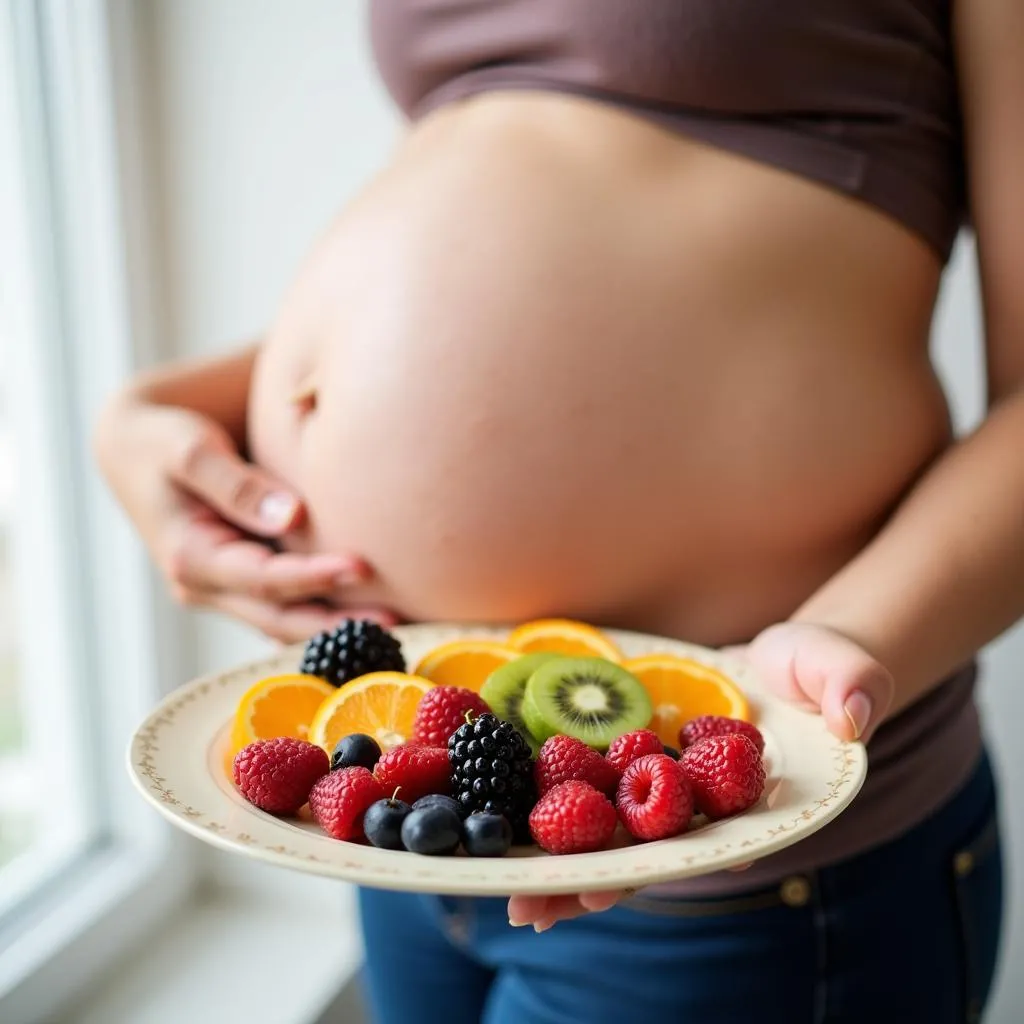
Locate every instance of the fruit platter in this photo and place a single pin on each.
(546, 757)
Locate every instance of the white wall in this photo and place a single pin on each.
(267, 116)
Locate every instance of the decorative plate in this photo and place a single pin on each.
(177, 758)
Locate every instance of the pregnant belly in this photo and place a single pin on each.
(648, 389)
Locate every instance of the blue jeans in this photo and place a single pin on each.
(905, 933)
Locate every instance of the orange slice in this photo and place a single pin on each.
(278, 706)
(563, 636)
(381, 705)
(465, 663)
(681, 689)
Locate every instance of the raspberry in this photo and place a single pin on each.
(726, 773)
(718, 725)
(654, 798)
(441, 711)
(573, 818)
(339, 801)
(414, 770)
(624, 750)
(562, 758)
(277, 775)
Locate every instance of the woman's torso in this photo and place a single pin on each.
(568, 361)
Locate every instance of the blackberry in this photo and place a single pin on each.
(492, 771)
(352, 649)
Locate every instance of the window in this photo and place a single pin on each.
(39, 696)
(15, 787)
(43, 694)
(79, 640)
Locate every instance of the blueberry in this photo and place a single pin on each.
(432, 830)
(382, 823)
(671, 751)
(356, 749)
(437, 800)
(487, 835)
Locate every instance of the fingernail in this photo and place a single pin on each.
(858, 709)
(538, 928)
(516, 923)
(278, 509)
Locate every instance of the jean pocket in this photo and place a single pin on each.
(977, 878)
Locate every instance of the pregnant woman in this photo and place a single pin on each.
(633, 327)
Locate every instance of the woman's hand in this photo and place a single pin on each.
(818, 668)
(198, 507)
(544, 911)
(805, 664)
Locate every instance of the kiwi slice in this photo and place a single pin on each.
(504, 690)
(589, 698)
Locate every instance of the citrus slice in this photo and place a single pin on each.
(465, 663)
(681, 689)
(563, 636)
(278, 706)
(381, 705)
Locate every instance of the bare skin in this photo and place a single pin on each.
(170, 447)
(553, 359)
(513, 373)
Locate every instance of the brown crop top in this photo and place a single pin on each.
(859, 95)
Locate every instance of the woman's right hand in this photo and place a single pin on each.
(209, 519)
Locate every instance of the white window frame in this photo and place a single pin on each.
(73, 268)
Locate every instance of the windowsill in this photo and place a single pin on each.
(277, 953)
(89, 915)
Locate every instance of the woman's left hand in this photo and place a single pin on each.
(809, 665)
(544, 911)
